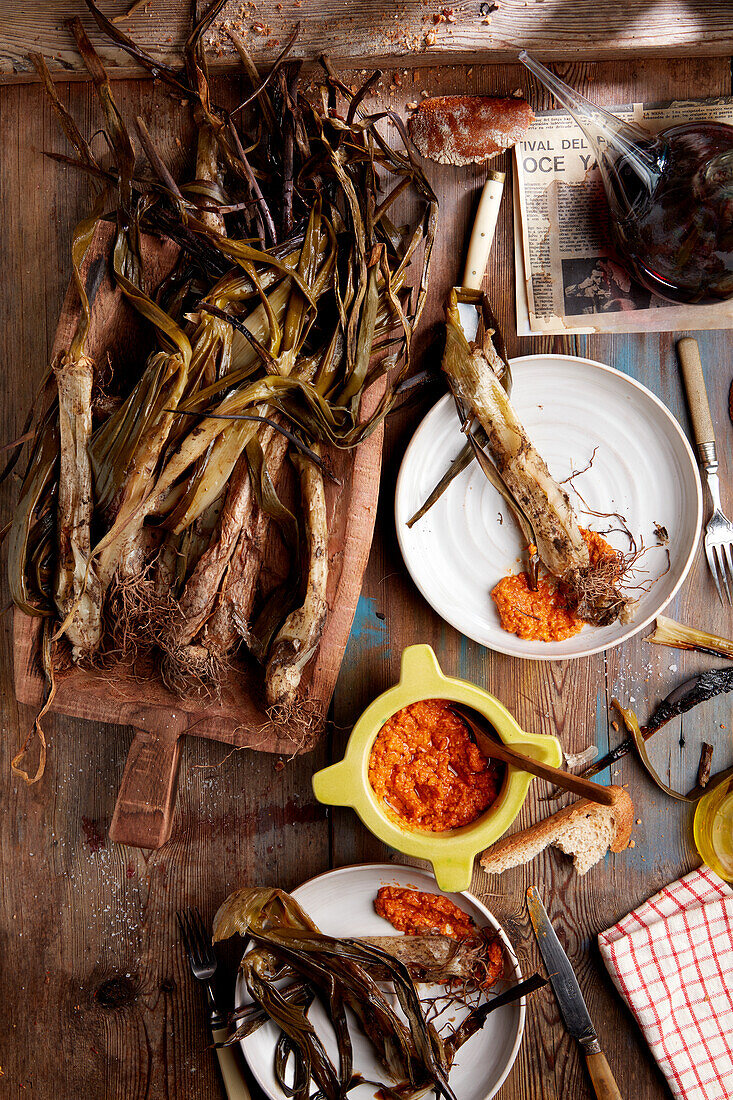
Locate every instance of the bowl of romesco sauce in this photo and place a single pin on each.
(418, 782)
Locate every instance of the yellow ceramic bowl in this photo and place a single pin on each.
(452, 852)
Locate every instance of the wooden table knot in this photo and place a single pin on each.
(117, 992)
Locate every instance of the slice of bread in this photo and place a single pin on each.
(585, 831)
(468, 129)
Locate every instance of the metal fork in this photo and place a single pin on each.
(719, 531)
(203, 966)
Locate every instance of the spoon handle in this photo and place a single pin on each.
(575, 783)
(497, 750)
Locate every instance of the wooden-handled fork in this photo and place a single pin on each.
(719, 530)
(202, 960)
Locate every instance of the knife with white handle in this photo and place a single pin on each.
(479, 246)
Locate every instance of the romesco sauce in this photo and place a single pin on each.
(417, 913)
(543, 615)
(428, 771)
(599, 549)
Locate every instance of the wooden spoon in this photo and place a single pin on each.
(497, 750)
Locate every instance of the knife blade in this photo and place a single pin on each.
(570, 999)
(479, 246)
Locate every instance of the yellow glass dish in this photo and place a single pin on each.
(452, 852)
(713, 828)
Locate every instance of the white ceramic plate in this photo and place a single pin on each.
(644, 469)
(342, 904)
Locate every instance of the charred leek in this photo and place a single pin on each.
(541, 505)
(151, 515)
(668, 632)
(288, 948)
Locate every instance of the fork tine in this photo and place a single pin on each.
(727, 568)
(205, 948)
(189, 937)
(722, 573)
(709, 554)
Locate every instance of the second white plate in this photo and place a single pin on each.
(341, 903)
(644, 469)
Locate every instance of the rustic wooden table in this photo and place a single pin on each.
(96, 994)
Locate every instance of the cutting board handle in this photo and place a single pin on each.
(143, 814)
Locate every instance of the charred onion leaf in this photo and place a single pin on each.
(298, 443)
(34, 520)
(698, 689)
(491, 342)
(460, 463)
(476, 1019)
(640, 735)
(288, 949)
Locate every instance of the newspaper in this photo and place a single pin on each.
(566, 278)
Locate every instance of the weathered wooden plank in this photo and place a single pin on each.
(410, 33)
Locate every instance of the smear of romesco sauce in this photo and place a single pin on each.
(426, 768)
(543, 616)
(419, 914)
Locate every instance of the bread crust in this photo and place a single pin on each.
(624, 812)
(525, 845)
(468, 129)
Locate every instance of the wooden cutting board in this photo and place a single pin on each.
(237, 716)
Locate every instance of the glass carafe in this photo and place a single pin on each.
(670, 196)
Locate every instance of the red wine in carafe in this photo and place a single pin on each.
(670, 197)
(678, 240)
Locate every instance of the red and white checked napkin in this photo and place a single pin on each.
(672, 962)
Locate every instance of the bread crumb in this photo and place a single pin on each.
(632, 844)
(614, 725)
